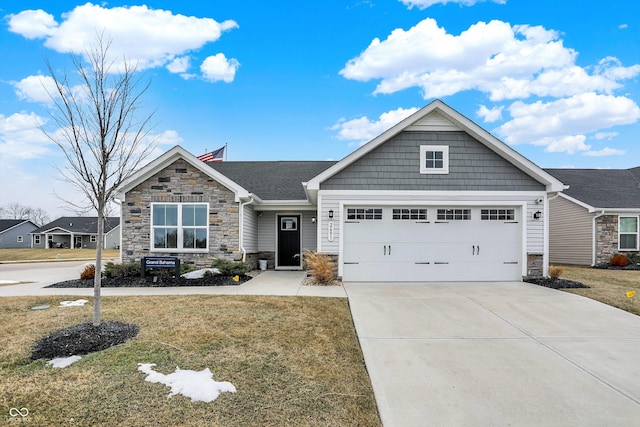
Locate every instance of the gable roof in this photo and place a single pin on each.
(442, 117)
(602, 188)
(277, 180)
(7, 224)
(79, 224)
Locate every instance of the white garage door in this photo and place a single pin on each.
(409, 244)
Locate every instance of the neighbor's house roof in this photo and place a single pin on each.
(602, 188)
(78, 225)
(6, 224)
(273, 180)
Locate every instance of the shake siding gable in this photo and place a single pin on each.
(570, 233)
(395, 165)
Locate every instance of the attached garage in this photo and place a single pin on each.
(439, 243)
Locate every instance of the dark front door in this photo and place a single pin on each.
(289, 241)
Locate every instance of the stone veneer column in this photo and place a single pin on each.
(180, 183)
(606, 238)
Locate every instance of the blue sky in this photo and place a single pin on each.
(312, 80)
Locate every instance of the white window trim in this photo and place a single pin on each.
(179, 249)
(36, 239)
(20, 239)
(93, 238)
(637, 233)
(445, 159)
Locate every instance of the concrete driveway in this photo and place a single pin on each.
(498, 354)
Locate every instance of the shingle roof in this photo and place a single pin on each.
(602, 188)
(79, 224)
(6, 224)
(273, 180)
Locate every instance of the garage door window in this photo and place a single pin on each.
(364, 213)
(498, 214)
(454, 214)
(414, 214)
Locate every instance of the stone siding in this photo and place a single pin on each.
(181, 183)
(606, 238)
(535, 265)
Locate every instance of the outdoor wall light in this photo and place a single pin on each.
(313, 219)
(330, 213)
(537, 215)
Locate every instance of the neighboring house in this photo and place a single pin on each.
(596, 217)
(14, 233)
(434, 198)
(76, 232)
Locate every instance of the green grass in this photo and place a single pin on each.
(293, 360)
(607, 286)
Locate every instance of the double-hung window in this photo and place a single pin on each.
(180, 227)
(628, 227)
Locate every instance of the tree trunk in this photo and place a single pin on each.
(97, 280)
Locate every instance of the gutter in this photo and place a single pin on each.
(241, 227)
(594, 239)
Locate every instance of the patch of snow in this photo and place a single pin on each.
(8, 282)
(198, 385)
(199, 274)
(76, 303)
(63, 362)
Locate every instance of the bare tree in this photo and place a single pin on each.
(99, 133)
(18, 211)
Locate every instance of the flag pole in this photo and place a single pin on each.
(226, 149)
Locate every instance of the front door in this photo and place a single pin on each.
(289, 255)
(77, 242)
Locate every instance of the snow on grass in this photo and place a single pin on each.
(76, 303)
(198, 385)
(199, 274)
(63, 362)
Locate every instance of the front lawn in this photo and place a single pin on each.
(28, 254)
(293, 361)
(607, 285)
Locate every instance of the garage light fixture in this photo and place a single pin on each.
(313, 219)
(537, 215)
(330, 213)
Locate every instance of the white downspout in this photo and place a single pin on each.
(594, 239)
(241, 229)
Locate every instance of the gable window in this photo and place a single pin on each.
(454, 214)
(180, 226)
(36, 239)
(434, 159)
(628, 227)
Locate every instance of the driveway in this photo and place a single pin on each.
(498, 354)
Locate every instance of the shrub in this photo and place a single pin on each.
(320, 266)
(230, 268)
(555, 271)
(119, 271)
(619, 260)
(89, 272)
(634, 258)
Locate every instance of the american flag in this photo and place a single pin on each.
(213, 156)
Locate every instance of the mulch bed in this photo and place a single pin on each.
(548, 282)
(83, 339)
(635, 267)
(159, 282)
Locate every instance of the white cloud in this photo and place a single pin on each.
(504, 61)
(363, 129)
(21, 137)
(149, 37)
(561, 125)
(623, 26)
(36, 89)
(219, 68)
(490, 115)
(423, 4)
(179, 65)
(606, 151)
(605, 135)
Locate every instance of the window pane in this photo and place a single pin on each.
(159, 214)
(629, 225)
(188, 238)
(159, 238)
(172, 238)
(201, 215)
(172, 215)
(201, 238)
(188, 215)
(628, 241)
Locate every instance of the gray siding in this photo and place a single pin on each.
(250, 229)
(9, 238)
(395, 165)
(267, 230)
(112, 239)
(570, 233)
